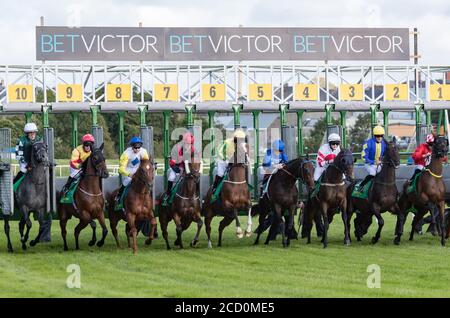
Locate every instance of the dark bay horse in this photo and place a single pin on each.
(331, 196)
(185, 208)
(382, 197)
(138, 205)
(282, 195)
(430, 194)
(31, 195)
(234, 197)
(88, 199)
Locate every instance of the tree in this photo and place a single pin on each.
(360, 132)
(313, 142)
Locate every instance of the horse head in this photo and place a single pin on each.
(39, 153)
(145, 172)
(98, 162)
(440, 147)
(344, 161)
(306, 171)
(391, 155)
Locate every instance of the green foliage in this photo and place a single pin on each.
(313, 142)
(360, 132)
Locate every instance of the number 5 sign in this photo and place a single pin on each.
(260, 92)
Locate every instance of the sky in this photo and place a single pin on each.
(19, 18)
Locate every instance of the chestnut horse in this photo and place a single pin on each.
(234, 197)
(430, 194)
(138, 205)
(88, 199)
(185, 207)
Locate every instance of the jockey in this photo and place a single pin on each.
(274, 159)
(79, 155)
(129, 162)
(225, 155)
(373, 150)
(23, 148)
(422, 155)
(326, 154)
(186, 150)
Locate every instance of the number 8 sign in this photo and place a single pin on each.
(118, 93)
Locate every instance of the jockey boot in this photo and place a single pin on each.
(67, 185)
(18, 176)
(217, 180)
(169, 188)
(414, 175)
(119, 194)
(364, 182)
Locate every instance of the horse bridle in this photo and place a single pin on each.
(301, 178)
(190, 175)
(94, 165)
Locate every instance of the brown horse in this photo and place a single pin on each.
(430, 194)
(138, 205)
(88, 199)
(234, 197)
(185, 207)
(331, 196)
(382, 195)
(282, 195)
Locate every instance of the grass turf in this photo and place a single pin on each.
(237, 269)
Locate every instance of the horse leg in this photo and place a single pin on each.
(94, 235)
(153, 226)
(41, 230)
(281, 224)
(21, 227)
(344, 216)
(239, 232)
(62, 225)
(101, 220)
(131, 218)
(324, 211)
(198, 220)
(179, 229)
(27, 221)
(113, 220)
(248, 231)
(259, 229)
(224, 223)
(83, 223)
(441, 206)
(377, 212)
(163, 221)
(7, 228)
(290, 225)
(433, 212)
(401, 217)
(419, 215)
(128, 234)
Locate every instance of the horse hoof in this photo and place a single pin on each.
(325, 245)
(239, 235)
(176, 243)
(24, 247)
(32, 243)
(168, 248)
(374, 240)
(148, 241)
(248, 233)
(347, 242)
(100, 243)
(443, 242)
(397, 241)
(209, 245)
(10, 250)
(92, 243)
(194, 243)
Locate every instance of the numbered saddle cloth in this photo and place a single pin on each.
(119, 204)
(18, 182)
(412, 186)
(67, 197)
(168, 199)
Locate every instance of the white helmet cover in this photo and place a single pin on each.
(30, 127)
(334, 137)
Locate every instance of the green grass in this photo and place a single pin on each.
(237, 269)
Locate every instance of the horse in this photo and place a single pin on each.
(31, 195)
(234, 197)
(88, 200)
(430, 194)
(331, 196)
(382, 195)
(282, 195)
(138, 205)
(185, 207)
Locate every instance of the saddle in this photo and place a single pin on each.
(412, 186)
(67, 197)
(18, 182)
(119, 204)
(364, 192)
(168, 199)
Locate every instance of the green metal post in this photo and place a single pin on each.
(418, 109)
(142, 110)
(28, 116)
(373, 116)
(74, 129)
(439, 124)
(300, 148)
(190, 116)
(386, 121)
(256, 151)
(94, 111)
(121, 115)
(283, 119)
(166, 140)
(344, 128)
(45, 110)
(213, 148)
(328, 109)
(237, 115)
